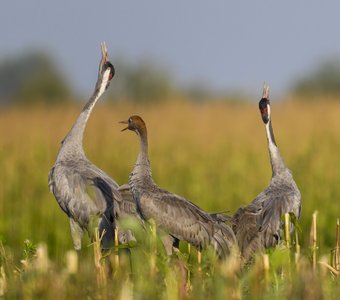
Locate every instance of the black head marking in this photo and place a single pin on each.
(264, 109)
(113, 71)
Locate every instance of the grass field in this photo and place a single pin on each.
(214, 154)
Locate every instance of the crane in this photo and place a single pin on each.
(88, 196)
(258, 225)
(180, 218)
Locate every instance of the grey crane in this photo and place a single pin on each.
(88, 196)
(178, 217)
(258, 225)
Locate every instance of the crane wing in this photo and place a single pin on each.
(177, 216)
(85, 197)
(246, 230)
(128, 204)
(270, 219)
(93, 171)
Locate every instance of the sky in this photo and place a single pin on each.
(225, 45)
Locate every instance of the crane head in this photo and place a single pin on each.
(135, 123)
(264, 104)
(106, 69)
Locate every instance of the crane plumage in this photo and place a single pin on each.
(88, 196)
(180, 218)
(258, 225)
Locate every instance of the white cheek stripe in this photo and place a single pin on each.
(104, 82)
(268, 109)
(100, 92)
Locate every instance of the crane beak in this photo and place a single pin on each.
(124, 122)
(105, 55)
(265, 92)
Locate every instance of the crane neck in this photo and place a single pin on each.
(143, 155)
(276, 159)
(141, 174)
(140, 178)
(72, 145)
(77, 132)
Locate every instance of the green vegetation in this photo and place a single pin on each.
(214, 154)
(323, 81)
(32, 78)
(144, 82)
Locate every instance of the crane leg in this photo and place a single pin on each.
(77, 234)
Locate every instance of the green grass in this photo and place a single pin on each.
(213, 154)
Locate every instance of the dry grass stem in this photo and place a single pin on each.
(116, 248)
(313, 240)
(287, 230)
(153, 247)
(98, 261)
(199, 260)
(3, 281)
(337, 260)
(266, 268)
(41, 260)
(72, 262)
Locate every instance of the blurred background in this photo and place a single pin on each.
(194, 70)
(201, 50)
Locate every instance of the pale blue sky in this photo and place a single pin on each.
(224, 44)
